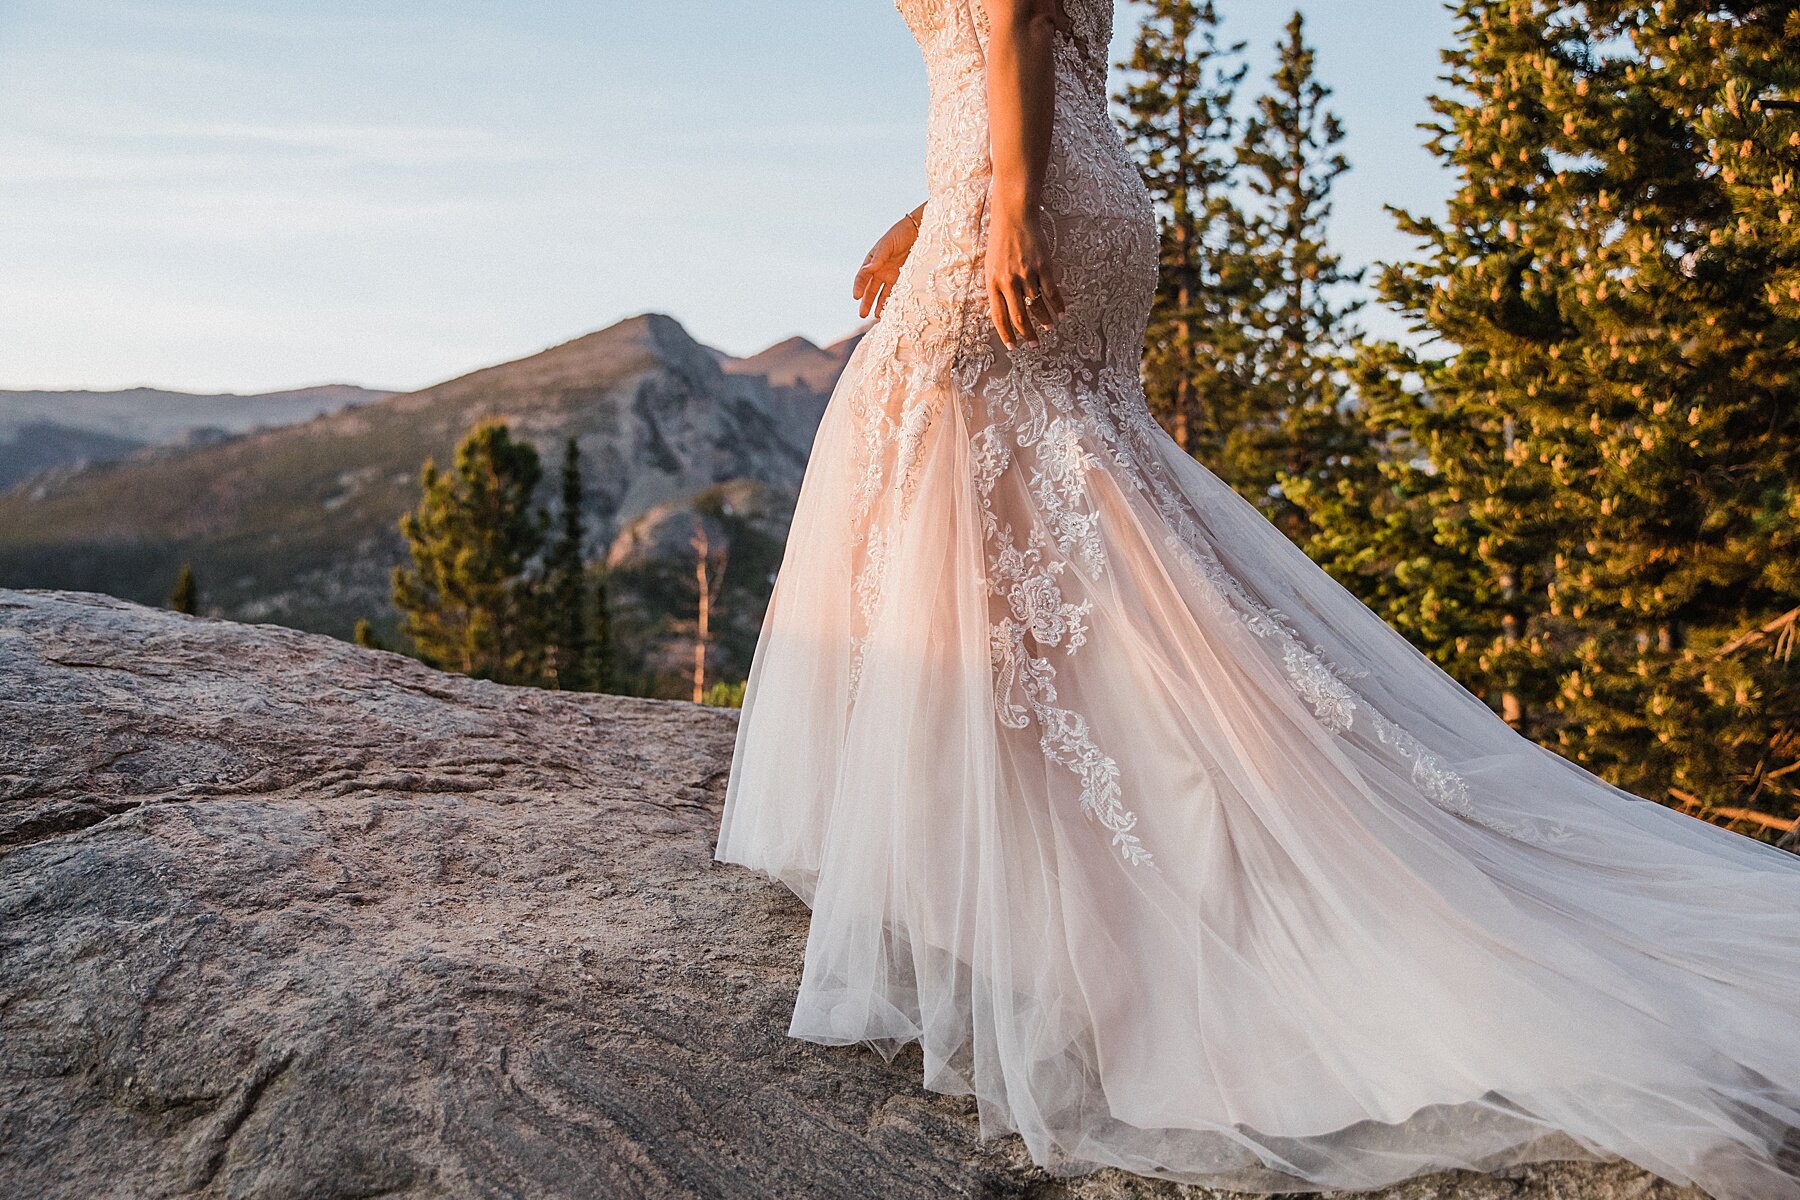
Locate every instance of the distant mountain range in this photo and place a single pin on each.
(297, 524)
(41, 431)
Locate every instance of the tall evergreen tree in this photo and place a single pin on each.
(470, 601)
(1506, 496)
(1179, 124)
(1615, 434)
(1752, 133)
(185, 598)
(567, 657)
(1291, 159)
(1389, 525)
(1686, 359)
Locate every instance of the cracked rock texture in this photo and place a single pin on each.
(280, 917)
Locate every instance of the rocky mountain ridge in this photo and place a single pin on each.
(49, 430)
(298, 525)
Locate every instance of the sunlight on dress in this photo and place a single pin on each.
(1152, 836)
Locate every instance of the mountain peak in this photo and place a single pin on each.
(656, 332)
(634, 342)
(797, 362)
(795, 343)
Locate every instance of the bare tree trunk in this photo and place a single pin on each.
(1184, 384)
(703, 628)
(708, 575)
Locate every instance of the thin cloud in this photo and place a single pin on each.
(259, 22)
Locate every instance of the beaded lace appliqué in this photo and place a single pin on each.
(1024, 575)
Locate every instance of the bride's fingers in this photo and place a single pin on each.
(1040, 301)
(1002, 321)
(1016, 320)
(879, 286)
(1051, 294)
(1019, 297)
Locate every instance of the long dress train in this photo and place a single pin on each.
(1154, 838)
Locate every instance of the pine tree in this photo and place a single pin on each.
(1383, 522)
(1507, 481)
(470, 602)
(1751, 129)
(1684, 365)
(567, 656)
(1179, 125)
(1614, 437)
(365, 636)
(1297, 429)
(185, 598)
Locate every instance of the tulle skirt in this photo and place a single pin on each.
(1180, 860)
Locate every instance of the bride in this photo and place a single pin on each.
(1156, 840)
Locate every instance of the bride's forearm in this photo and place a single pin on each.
(1021, 93)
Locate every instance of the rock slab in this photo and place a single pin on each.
(281, 917)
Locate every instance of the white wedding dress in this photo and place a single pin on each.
(1154, 838)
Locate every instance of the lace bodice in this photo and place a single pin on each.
(1089, 167)
(946, 28)
(1096, 208)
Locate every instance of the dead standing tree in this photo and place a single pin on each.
(709, 573)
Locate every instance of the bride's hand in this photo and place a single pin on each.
(881, 269)
(1021, 279)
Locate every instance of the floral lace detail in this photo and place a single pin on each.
(868, 598)
(1332, 702)
(1430, 775)
(1324, 686)
(1319, 683)
(1450, 791)
(1037, 617)
(1058, 481)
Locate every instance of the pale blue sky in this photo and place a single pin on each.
(233, 195)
